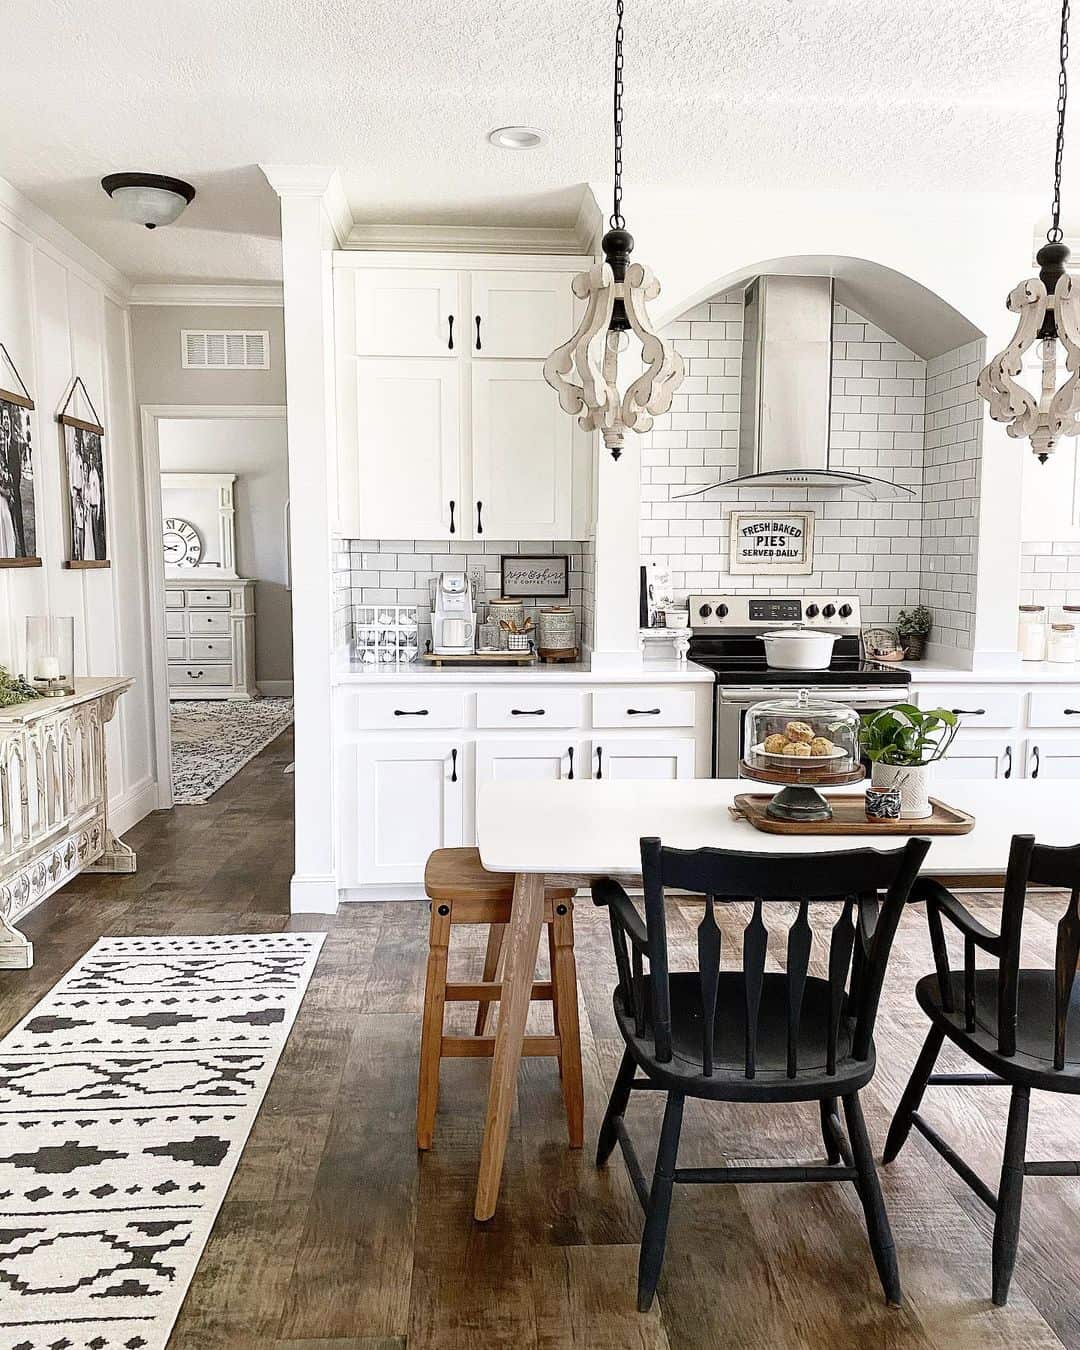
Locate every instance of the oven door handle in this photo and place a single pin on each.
(868, 698)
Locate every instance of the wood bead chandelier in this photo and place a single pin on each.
(584, 372)
(1049, 313)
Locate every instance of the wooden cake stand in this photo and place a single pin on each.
(800, 798)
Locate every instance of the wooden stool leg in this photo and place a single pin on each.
(496, 933)
(427, 1093)
(564, 978)
(554, 990)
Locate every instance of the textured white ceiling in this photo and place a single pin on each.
(919, 94)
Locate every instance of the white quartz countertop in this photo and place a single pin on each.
(649, 672)
(1027, 672)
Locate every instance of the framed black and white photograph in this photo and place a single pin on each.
(86, 492)
(772, 542)
(545, 576)
(18, 526)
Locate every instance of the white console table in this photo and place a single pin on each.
(54, 802)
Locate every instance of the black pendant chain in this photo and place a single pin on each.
(1054, 233)
(617, 222)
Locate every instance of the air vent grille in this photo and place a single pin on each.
(225, 350)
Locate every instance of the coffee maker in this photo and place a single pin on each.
(453, 620)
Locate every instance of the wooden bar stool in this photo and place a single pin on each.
(462, 891)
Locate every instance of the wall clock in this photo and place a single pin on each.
(183, 547)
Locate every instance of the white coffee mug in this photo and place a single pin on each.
(456, 632)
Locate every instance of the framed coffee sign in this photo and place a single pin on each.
(772, 542)
(545, 576)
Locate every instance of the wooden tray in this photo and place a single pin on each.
(849, 817)
(480, 659)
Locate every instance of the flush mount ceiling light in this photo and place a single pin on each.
(149, 199)
(584, 372)
(1049, 310)
(517, 138)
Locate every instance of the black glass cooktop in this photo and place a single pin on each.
(741, 660)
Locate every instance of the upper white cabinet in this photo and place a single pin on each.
(441, 398)
(520, 314)
(404, 311)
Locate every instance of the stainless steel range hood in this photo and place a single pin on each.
(785, 394)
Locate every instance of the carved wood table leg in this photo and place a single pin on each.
(16, 951)
(116, 856)
(519, 967)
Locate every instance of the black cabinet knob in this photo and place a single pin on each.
(705, 611)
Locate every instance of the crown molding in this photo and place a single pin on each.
(268, 295)
(314, 180)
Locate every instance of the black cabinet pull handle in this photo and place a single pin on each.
(450, 332)
(452, 529)
(643, 712)
(969, 712)
(410, 712)
(527, 712)
(453, 766)
(195, 674)
(478, 332)
(1008, 762)
(599, 761)
(1038, 761)
(479, 521)
(1072, 712)
(570, 752)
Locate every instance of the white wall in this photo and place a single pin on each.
(256, 450)
(62, 314)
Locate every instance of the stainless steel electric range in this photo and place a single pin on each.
(726, 639)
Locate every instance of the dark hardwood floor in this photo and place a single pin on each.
(336, 1236)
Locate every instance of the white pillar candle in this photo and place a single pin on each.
(48, 668)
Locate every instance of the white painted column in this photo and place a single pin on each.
(310, 197)
(616, 644)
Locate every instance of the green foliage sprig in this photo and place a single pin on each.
(14, 689)
(915, 622)
(904, 734)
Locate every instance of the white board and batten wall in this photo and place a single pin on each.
(63, 313)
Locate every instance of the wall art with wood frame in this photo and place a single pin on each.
(84, 459)
(18, 519)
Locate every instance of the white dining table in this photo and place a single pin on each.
(560, 831)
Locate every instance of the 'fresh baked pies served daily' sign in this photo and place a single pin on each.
(772, 541)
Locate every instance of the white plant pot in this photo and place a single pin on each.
(914, 785)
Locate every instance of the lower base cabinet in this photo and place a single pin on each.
(656, 759)
(1052, 757)
(975, 755)
(515, 759)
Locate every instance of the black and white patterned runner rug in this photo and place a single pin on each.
(126, 1097)
(213, 739)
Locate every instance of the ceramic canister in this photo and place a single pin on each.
(510, 611)
(558, 629)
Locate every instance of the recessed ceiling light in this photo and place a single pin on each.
(517, 138)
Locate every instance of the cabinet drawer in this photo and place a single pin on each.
(205, 621)
(529, 706)
(187, 674)
(209, 599)
(643, 706)
(1059, 707)
(410, 708)
(176, 648)
(210, 649)
(175, 622)
(174, 599)
(977, 706)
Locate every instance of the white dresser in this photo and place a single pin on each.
(210, 632)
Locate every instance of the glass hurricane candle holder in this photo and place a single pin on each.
(50, 654)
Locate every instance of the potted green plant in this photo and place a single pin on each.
(913, 626)
(901, 743)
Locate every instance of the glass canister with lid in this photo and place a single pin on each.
(1061, 643)
(1033, 632)
(802, 743)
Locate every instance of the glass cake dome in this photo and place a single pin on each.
(803, 743)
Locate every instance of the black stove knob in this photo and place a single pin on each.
(705, 611)
(828, 611)
(721, 611)
(845, 611)
(811, 611)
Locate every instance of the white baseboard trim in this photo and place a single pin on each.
(313, 894)
(275, 688)
(127, 810)
(349, 895)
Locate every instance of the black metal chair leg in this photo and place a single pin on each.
(620, 1095)
(829, 1107)
(654, 1237)
(869, 1191)
(1010, 1195)
(909, 1102)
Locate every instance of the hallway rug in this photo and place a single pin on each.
(126, 1098)
(212, 740)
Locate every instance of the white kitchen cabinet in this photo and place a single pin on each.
(522, 454)
(404, 311)
(1052, 757)
(520, 313)
(619, 757)
(398, 801)
(517, 758)
(408, 425)
(974, 755)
